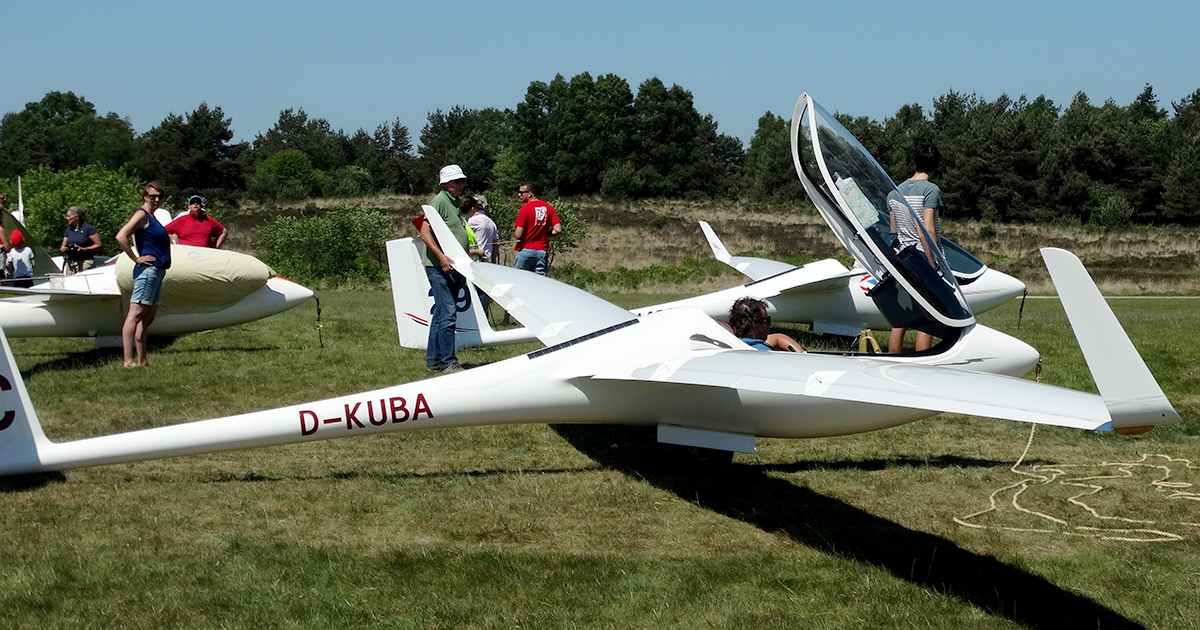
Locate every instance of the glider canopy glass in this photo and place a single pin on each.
(917, 288)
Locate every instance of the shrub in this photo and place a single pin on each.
(350, 181)
(288, 175)
(108, 198)
(340, 247)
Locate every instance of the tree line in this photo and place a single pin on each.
(1003, 160)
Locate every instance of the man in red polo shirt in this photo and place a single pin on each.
(197, 228)
(536, 223)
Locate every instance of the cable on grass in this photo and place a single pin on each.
(1021, 313)
(1122, 528)
(320, 339)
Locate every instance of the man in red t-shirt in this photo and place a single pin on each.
(536, 223)
(197, 228)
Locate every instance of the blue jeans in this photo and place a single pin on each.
(531, 260)
(443, 287)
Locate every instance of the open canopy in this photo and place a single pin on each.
(917, 288)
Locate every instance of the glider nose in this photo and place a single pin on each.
(992, 289)
(291, 292)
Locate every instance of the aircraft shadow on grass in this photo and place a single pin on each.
(750, 494)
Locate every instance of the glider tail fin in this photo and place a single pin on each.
(714, 243)
(22, 442)
(410, 293)
(414, 304)
(1134, 399)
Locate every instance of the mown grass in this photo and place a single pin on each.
(560, 527)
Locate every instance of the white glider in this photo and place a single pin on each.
(826, 294)
(204, 289)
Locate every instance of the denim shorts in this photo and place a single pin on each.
(147, 285)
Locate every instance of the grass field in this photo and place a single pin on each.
(587, 527)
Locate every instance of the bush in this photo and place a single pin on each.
(350, 181)
(108, 198)
(288, 175)
(341, 247)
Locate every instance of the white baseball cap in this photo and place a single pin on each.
(451, 173)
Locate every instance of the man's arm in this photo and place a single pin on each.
(927, 217)
(430, 241)
(780, 341)
(221, 238)
(556, 230)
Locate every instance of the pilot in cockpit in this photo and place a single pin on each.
(749, 320)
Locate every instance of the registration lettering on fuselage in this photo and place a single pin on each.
(361, 414)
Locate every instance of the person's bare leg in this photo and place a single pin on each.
(896, 341)
(143, 334)
(924, 341)
(129, 332)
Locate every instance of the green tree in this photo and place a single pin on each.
(387, 156)
(443, 132)
(991, 153)
(63, 132)
(491, 130)
(1095, 153)
(567, 133)
(287, 175)
(350, 181)
(1181, 186)
(325, 148)
(109, 198)
(769, 171)
(193, 154)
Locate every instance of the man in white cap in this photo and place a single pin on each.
(445, 283)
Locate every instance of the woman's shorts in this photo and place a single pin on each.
(147, 285)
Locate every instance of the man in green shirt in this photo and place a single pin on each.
(445, 283)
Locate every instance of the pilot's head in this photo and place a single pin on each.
(749, 319)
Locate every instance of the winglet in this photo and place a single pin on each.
(718, 248)
(1134, 399)
(753, 268)
(20, 213)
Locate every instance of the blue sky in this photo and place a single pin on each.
(359, 64)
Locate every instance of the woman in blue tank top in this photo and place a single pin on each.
(152, 259)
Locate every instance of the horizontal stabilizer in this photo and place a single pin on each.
(1134, 399)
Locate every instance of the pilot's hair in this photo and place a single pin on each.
(532, 188)
(926, 157)
(156, 186)
(76, 211)
(745, 313)
(467, 204)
